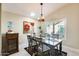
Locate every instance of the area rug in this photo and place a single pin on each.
(33, 51)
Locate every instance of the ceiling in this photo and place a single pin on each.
(25, 9)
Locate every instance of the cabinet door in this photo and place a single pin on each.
(12, 43)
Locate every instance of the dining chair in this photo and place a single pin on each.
(29, 40)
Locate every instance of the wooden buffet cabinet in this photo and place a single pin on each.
(9, 43)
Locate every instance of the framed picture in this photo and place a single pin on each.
(10, 26)
(28, 27)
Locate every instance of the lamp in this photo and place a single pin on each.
(41, 19)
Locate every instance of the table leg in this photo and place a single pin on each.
(51, 52)
(60, 47)
(42, 47)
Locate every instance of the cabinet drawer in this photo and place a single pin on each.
(11, 36)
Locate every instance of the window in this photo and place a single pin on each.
(59, 28)
(49, 28)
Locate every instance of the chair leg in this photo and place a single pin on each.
(56, 51)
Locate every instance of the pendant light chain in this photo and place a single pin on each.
(41, 9)
(42, 17)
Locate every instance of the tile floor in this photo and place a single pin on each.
(22, 52)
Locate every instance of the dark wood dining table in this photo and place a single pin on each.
(50, 42)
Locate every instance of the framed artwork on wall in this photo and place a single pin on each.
(10, 26)
(28, 27)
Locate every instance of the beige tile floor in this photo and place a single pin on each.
(71, 51)
(22, 52)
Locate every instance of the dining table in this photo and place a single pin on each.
(50, 42)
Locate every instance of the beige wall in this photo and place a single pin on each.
(0, 18)
(17, 22)
(71, 12)
(0, 28)
(17, 25)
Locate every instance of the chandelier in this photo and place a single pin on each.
(41, 19)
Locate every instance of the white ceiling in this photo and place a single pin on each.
(25, 9)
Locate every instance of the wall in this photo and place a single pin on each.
(71, 13)
(0, 28)
(17, 25)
